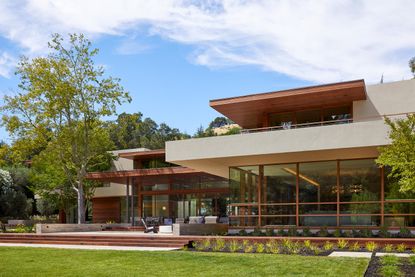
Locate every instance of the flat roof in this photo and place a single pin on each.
(248, 111)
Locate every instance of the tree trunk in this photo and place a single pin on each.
(81, 204)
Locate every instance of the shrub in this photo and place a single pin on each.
(383, 232)
(242, 233)
(292, 232)
(307, 232)
(20, 228)
(272, 247)
(257, 232)
(404, 233)
(371, 246)
(259, 247)
(341, 243)
(291, 247)
(337, 233)
(248, 248)
(234, 246)
(323, 232)
(281, 233)
(401, 247)
(348, 234)
(206, 244)
(354, 247)
(365, 233)
(307, 244)
(328, 246)
(270, 232)
(388, 248)
(198, 245)
(316, 250)
(219, 245)
(413, 251)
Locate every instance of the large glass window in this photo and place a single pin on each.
(283, 120)
(359, 181)
(318, 182)
(308, 117)
(337, 115)
(279, 184)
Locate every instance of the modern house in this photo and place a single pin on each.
(143, 185)
(305, 157)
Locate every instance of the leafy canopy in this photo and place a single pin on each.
(400, 154)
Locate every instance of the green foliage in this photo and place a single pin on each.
(281, 233)
(390, 271)
(371, 246)
(307, 232)
(388, 247)
(59, 109)
(259, 247)
(22, 229)
(404, 233)
(134, 131)
(383, 232)
(337, 233)
(234, 246)
(218, 245)
(292, 232)
(400, 154)
(270, 232)
(198, 245)
(323, 232)
(328, 246)
(401, 247)
(307, 244)
(206, 244)
(272, 247)
(257, 232)
(342, 244)
(411, 64)
(243, 232)
(248, 247)
(13, 202)
(46, 207)
(354, 246)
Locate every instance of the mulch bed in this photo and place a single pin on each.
(405, 267)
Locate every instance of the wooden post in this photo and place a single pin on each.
(297, 196)
(127, 206)
(132, 200)
(259, 186)
(382, 196)
(338, 195)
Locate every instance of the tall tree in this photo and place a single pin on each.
(61, 102)
(400, 154)
(412, 65)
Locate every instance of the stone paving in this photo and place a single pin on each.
(89, 247)
(351, 254)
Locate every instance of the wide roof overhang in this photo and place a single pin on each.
(248, 111)
(150, 154)
(121, 176)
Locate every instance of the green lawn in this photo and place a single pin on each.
(20, 261)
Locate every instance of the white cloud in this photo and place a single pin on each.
(321, 41)
(7, 64)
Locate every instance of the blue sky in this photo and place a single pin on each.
(173, 56)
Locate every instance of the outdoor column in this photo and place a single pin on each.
(132, 199)
(127, 212)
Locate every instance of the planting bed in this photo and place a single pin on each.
(391, 266)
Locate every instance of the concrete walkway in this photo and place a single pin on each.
(89, 247)
(401, 255)
(351, 254)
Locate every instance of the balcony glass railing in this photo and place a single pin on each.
(289, 125)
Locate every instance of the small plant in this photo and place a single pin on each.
(185, 248)
(371, 246)
(259, 247)
(206, 244)
(243, 233)
(388, 248)
(307, 244)
(292, 232)
(234, 246)
(198, 246)
(316, 250)
(323, 232)
(291, 247)
(389, 260)
(337, 233)
(365, 233)
(281, 233)
(270, 233)
(110, 221)
(354, 247)
(272, 247)
(348, 234)
(404, 233)
(413, 250)
(401, 247)
(248, 248)
(328, 246)
(383, 232)
(390, 271)
(245, 242)
(219, 245)
(307, 232)
(342, 244)
(257, 232)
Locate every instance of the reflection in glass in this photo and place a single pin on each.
(243, 184)
(359, 181)
(369, 220)
(279, 185)
(318, 182)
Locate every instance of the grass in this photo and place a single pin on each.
(20, 261)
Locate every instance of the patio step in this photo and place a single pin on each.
(105, 240)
